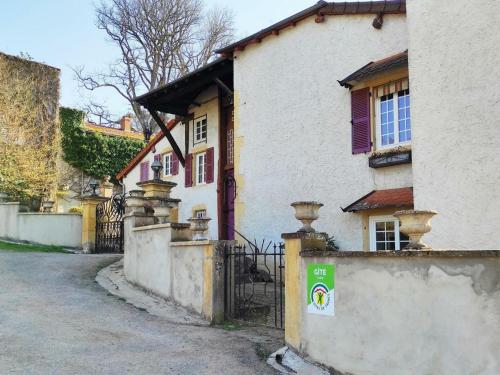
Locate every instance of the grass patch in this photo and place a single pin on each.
(261, 351)
(28, 248)
(231, 326)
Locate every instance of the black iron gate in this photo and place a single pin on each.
(255, 283)
(109, 225)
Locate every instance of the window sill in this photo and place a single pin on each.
(390, 157)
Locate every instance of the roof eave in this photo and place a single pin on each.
(320, 8)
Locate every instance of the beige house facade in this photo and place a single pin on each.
(202, 125)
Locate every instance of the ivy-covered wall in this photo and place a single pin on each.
(96, 155)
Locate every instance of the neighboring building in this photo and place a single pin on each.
(29, 129)
(73, 182)
(342, 120)
(454, 67)
(204, 183)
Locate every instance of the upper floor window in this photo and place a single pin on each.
(200, 130)
(168, 163)
(393, 119)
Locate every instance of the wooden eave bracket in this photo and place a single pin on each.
(169, 136)
(223, 86)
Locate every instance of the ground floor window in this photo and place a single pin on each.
(385, 235)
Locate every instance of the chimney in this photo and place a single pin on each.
(126, 123)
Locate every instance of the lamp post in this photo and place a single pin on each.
(93, 185)
(156, 167)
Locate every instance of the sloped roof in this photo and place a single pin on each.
(176, 96)
(113, 131)
(376, 67)
(390, 198)
(321, 8)
(138, 158)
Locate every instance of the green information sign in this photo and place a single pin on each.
(321, 289)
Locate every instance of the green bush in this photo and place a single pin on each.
(94, 154)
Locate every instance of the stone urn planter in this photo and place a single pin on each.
(415, 224)
(307, 212)
(48, 206)
(199, 226)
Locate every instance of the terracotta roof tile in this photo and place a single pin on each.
(375, 67)
(390, 198)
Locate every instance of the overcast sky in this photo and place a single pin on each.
(62, 33)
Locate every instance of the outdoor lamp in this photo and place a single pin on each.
(156, 167)
(93, 185)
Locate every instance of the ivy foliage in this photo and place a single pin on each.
(95, 154)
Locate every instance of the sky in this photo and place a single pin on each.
(62, 33)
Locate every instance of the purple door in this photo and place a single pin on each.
(229, 198)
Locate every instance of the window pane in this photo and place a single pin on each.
(404, 123)
(387, 120)
(385, 235)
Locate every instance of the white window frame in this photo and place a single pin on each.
(201, 168)
(200, 214)
(372, 230)
(200, 126)
(378, 122)
(168, 171)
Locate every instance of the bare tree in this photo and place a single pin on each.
(159, 41)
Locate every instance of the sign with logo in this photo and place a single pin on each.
(321, 289)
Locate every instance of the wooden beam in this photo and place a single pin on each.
(223, 86)
(169, 136)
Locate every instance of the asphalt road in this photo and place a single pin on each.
(54, 319)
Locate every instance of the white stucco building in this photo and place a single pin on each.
(412, 124)
(293, 120)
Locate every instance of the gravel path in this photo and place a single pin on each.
(54, 319)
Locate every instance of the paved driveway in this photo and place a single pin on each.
(55, 319)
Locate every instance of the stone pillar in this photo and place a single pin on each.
(107, 187)
(294, 244)
(157, 193)
(89, 204)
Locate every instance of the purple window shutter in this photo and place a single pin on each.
(360, 111)
(209, 165)
(188, 170)
(144, 171)
(175, 164)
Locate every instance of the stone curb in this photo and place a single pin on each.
(113, 280)
(286, 362)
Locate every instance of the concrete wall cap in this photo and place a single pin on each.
(312, 253)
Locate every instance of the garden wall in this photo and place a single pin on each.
(161, 259)
(406, 312)
(42, 228)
